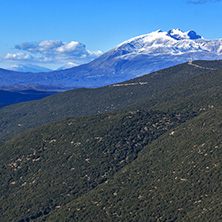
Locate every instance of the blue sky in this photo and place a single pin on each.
(51, 33)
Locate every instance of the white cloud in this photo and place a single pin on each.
(44, 47)
(25, 57)
(52, 51)
(18, 56)
(72, 47)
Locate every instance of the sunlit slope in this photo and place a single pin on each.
(109, 165)
(58, 163)
(176, 178)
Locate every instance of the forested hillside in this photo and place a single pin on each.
(175, 178)
(18, 118)
(157, 159)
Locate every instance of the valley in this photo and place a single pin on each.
(12, 97)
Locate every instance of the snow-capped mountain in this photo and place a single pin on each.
(134, 57)
(157, 50)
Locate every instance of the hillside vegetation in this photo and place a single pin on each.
(18, 118)
(176, 178)
(59, 162)
(155, 160)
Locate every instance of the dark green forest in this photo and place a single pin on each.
(152, 156)
(21, 117)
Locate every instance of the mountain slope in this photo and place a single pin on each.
(176, 178)
(157, 50)
(135, 57)
(72, 157)
(121, 166)
(20, 117)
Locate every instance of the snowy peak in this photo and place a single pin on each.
(179, 35)
(160, 36)
(172, 42)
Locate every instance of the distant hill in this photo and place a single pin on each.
(130, 59)
(18, 118)
(28, 68)
(157, 159)
(8, 97)
(35, 87)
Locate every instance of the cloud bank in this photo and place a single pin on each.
(52, 51)
(198, 2)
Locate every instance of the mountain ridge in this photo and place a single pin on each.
(132, 58)
(18, 118)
